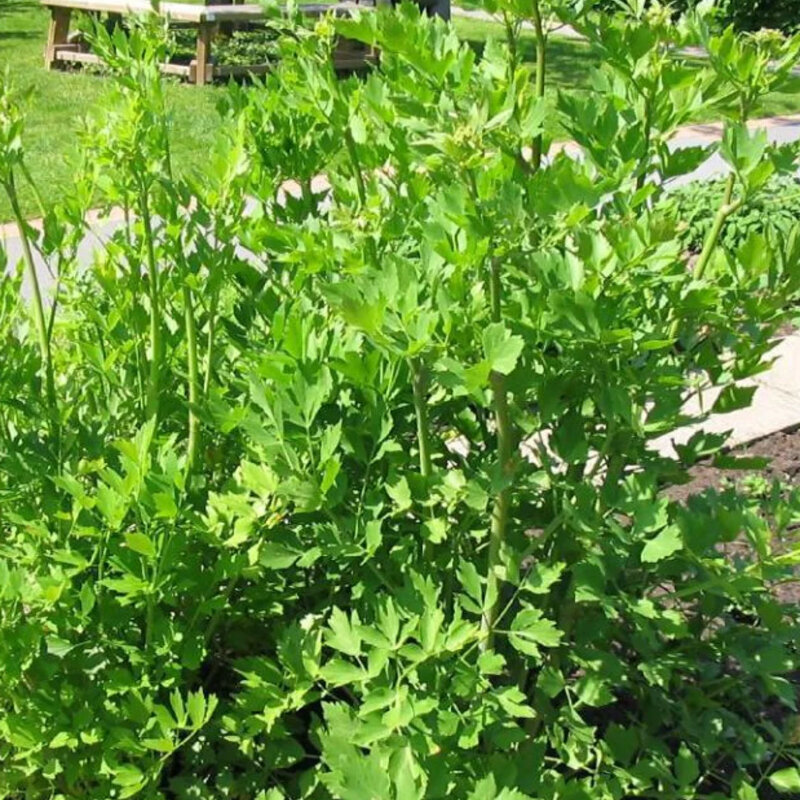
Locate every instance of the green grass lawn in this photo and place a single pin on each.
(62, 99)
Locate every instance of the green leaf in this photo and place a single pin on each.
(667, 542)
(87, 598)
(274, 555)
(470, 582)
(342, 635)
(141, 543)
(786, 780)
(160, 745)
(165, 505)
(542, 576)
(400, 493)
(529, 630)
(338, 672)
(623, 743)
(128, 775)
(733, 398)
(358, 128)
(178, 708)
(687, 770)
(501, 348)
(196, 706)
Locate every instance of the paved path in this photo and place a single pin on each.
(563, 30)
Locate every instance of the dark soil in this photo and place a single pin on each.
(781, 452)
(782, 449)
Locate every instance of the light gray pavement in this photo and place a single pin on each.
(775, 405)
(776, 402)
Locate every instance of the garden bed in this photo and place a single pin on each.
(775, 462)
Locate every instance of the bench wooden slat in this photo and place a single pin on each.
(186, 12)
(205, 18)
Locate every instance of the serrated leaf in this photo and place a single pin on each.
(687, 770)
(667, 542)
(733, 398)
(342, 635)
(338, 672)
(786, 780)
(529, 630)
(141, 543)
(501, 348)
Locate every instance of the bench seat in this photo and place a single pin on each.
(204, 17)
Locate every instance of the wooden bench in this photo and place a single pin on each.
(206, 18)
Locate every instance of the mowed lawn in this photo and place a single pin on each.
(62, 99)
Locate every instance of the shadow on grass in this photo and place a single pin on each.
(18, 6)
(18, 16)
(568, 63)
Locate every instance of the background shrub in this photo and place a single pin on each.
(745, 15)
(345, 489)
(775, 209)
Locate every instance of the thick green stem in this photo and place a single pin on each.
(212, 328)
(648, 132)
(156, 345)
(419, 381)
(726, 208)
(502, 500)
(541, 69)
(511, 36)
(38, 304)
(355, 162)
(191, 362)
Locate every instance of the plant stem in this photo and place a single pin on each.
(191, 347)
(419, 380)
(726, 208)
(502, 500)
(38, 305)
(355, 162)
(212, 327)
(511, 37)
(541, 67)
(153, 387)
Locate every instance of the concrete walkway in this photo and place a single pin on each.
(775, 405)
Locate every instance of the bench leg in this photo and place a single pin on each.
(57, 34)
(203, 53)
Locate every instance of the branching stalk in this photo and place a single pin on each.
(723, 212)
(191, 360)
(156, 344)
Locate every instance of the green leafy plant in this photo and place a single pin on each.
(355, 494)
(774, 210)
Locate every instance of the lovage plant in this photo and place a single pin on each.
(354, 492)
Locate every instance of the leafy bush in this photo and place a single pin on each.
(345, 488)
(754, 14)
(774, 210)
(744, 15)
